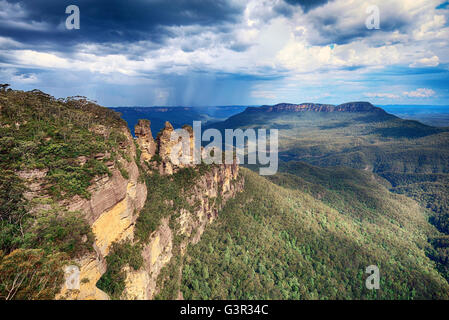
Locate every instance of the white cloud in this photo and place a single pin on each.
(420, 93)
(11, 10)
(426, 62)
(382, 95)
(265, 39)
(9, 43)
(14, 76)
(430, 28)
(264, 94)
(11, 16)
(396, 43)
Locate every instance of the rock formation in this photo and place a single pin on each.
(160, 159)
(116, 201)
(145, 139)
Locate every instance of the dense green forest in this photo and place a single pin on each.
(411, 156)
(356, 192)
(307, 248)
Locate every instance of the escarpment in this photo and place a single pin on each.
(316, 107)
(111, 212)
(185, 224)
(178, 199)
(203, 189)
(70, 189)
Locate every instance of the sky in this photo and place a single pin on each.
(236, 52)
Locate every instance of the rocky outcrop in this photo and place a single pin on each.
(164, 143)
(163, 162)
(205, 197)
(145, 139)
(115, 203)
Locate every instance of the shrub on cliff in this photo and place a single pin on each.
(121, 254)
(166, 195)
(30, 274)
(39, 131)
(55, 232)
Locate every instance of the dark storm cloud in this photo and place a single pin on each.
(333, 29)
(110, 21)
(307, 5)
(288, 7)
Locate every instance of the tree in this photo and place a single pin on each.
(30, 274)
(4, 86)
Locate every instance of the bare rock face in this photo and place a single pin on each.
(111, 211)
(165, 147)
(190, 156)
(221, 182)
(145, 139)
(156, 253)
(206, 197)
(115, 204)
(164, 143)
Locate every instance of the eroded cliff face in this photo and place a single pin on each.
(111, 211)
(156, 154)
(205, 198)
(115, 204)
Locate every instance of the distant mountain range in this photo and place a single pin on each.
(316, 107)
(437, 116)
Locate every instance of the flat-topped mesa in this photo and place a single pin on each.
(358, 106)
(316, 107)
(145, 139)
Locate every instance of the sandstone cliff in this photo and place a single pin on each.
(115, 204)
(145, 139)
(205, 197)
(111, 211)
